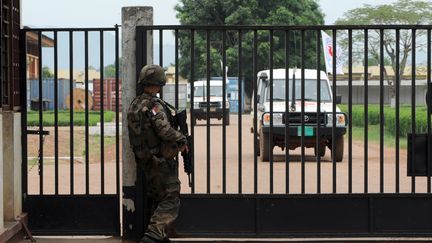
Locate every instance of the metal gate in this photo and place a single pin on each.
(382, 185)
(70, 125)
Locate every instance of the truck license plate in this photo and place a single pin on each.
(308, 131)
(212, 109)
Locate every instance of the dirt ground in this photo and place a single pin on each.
(232, 165)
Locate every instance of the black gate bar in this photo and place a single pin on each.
(224, 90)
(240, 79)
(366, 114)
(71, 109)
(381, 115)
(349, 111)
(86, 107)
(429, 141)
(398, 81)
(208, 36)
(102, 120)
(334, 111)
(302, 95)
(271, 111)
(287, 165)
(255, 119)
(413, 102)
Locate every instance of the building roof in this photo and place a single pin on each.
(78, 75)
(33, 38)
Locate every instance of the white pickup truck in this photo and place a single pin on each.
(293, 118)
(215, 103)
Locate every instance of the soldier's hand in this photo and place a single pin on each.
(184, 149)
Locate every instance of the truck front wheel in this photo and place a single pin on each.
(264, 146)
(226, 119)
(322, 150)
(339, 148)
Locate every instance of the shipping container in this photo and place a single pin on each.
(48, 93)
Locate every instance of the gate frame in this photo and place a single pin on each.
(69, 214)
(221, 215)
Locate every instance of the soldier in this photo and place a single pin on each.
(156, 144)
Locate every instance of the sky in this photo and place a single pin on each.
(107, 13)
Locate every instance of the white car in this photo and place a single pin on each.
(215, 102)
(292, 119)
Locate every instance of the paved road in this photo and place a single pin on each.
(247, 168)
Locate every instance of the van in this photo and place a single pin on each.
(292, 118)
(216, 109)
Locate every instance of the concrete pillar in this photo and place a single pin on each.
(12, 196)
(17, 165)
(131, 18)
(8, 167)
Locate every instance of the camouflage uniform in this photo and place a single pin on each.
(155, 144)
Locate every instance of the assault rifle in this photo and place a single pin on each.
(180, 120)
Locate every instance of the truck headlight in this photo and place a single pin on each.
(277, 119)
(196, 105)
(340, 120)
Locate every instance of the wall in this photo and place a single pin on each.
(374, 93)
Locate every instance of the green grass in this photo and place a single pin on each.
(64, 118)
(374, 136)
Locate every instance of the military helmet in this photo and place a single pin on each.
(152, 75)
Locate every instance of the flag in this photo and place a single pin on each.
(328, 54)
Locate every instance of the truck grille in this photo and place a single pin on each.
(294, 118)
(212, 104)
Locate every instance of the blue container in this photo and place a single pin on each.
(234, 95)
(234, 92)
(48, 92)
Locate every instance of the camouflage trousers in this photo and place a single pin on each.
(163, 188)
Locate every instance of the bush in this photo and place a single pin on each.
(64, 118)
(358, 114)
(405, 118)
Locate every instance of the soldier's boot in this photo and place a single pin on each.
(148, 239)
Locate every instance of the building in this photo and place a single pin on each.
(33, 52)
(358, 91)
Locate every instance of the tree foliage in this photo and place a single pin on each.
(402, 12)
(46, 72)
(245, 12)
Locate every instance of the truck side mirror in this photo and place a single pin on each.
(338, 99)
(264, 78)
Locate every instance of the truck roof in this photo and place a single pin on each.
(280, 73)
(213, 82)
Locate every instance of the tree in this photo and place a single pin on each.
(110, 70)
(46, 72)
(402, 12)
(245, 12)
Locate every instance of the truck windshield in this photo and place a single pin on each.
(201, 91)
(310, 90)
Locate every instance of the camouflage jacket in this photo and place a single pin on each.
(150, 130)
